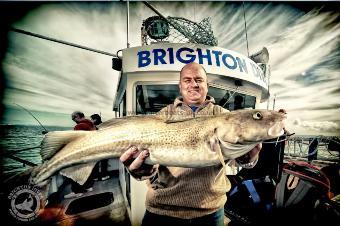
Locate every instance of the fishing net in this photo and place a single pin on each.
(177, 30)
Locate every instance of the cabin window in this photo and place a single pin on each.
(232, 100)
(152, 98)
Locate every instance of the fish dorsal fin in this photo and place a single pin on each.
(175, 120)
(111, 122)
(54, 141)
(79, 173)
(131, 119)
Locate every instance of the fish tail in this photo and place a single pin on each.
(55, 141)
(36, 175)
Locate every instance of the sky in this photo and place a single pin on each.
(53, 80)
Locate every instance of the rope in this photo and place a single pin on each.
(231, 95)
(61, 42)
(221, 158)
(278, 141)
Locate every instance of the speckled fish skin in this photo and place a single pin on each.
(184, 144)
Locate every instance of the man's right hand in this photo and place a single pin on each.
(134, 159)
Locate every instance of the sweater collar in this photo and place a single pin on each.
(179, 101)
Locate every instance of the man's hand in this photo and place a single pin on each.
(254, 153)
(134, 159)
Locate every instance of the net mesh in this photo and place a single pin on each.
(181, 30)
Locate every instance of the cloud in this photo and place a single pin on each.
(317, 125)
(50, 77)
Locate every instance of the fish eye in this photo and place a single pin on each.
(257, 115)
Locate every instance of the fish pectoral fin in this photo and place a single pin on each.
(55, 141)
(79, 173)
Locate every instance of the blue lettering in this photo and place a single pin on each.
(187, 55)
(171, 55)
(143, 58)
(217, 57)
(159, 55)
(191, 57)
(201, 56)
(234, 63)
(242, 65)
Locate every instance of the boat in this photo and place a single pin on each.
(148, 82)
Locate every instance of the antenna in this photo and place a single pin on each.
(127, 23)
(245, 27)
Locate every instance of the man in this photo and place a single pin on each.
(185, 196)
(96, 120)
(82, 123)
(101, 168)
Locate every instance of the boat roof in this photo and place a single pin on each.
(167, 59)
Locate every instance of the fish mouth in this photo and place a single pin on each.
(276, 130)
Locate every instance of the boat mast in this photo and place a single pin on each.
(245, 27)
(127, 23)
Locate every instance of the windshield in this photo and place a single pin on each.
(152, 98)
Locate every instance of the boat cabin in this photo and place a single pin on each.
(149, 81)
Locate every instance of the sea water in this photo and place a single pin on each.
(17, 140)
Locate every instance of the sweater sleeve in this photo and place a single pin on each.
(218, 110)
(165, 112)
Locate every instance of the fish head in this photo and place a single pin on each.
(251, 126)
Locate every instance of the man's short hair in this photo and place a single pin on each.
(96, 118)
(78, 113)
(180, 73)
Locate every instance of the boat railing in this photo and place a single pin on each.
(321, 149)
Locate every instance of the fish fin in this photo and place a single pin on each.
(111, 122)
(55, 141)
(79, 173)
(174, 120)
(131, 119)
(35, 173)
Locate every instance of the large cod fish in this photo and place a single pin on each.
(197, 142)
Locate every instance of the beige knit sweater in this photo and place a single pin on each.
(187, 192)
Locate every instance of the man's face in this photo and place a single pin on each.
(94, 121)
(193, 84)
